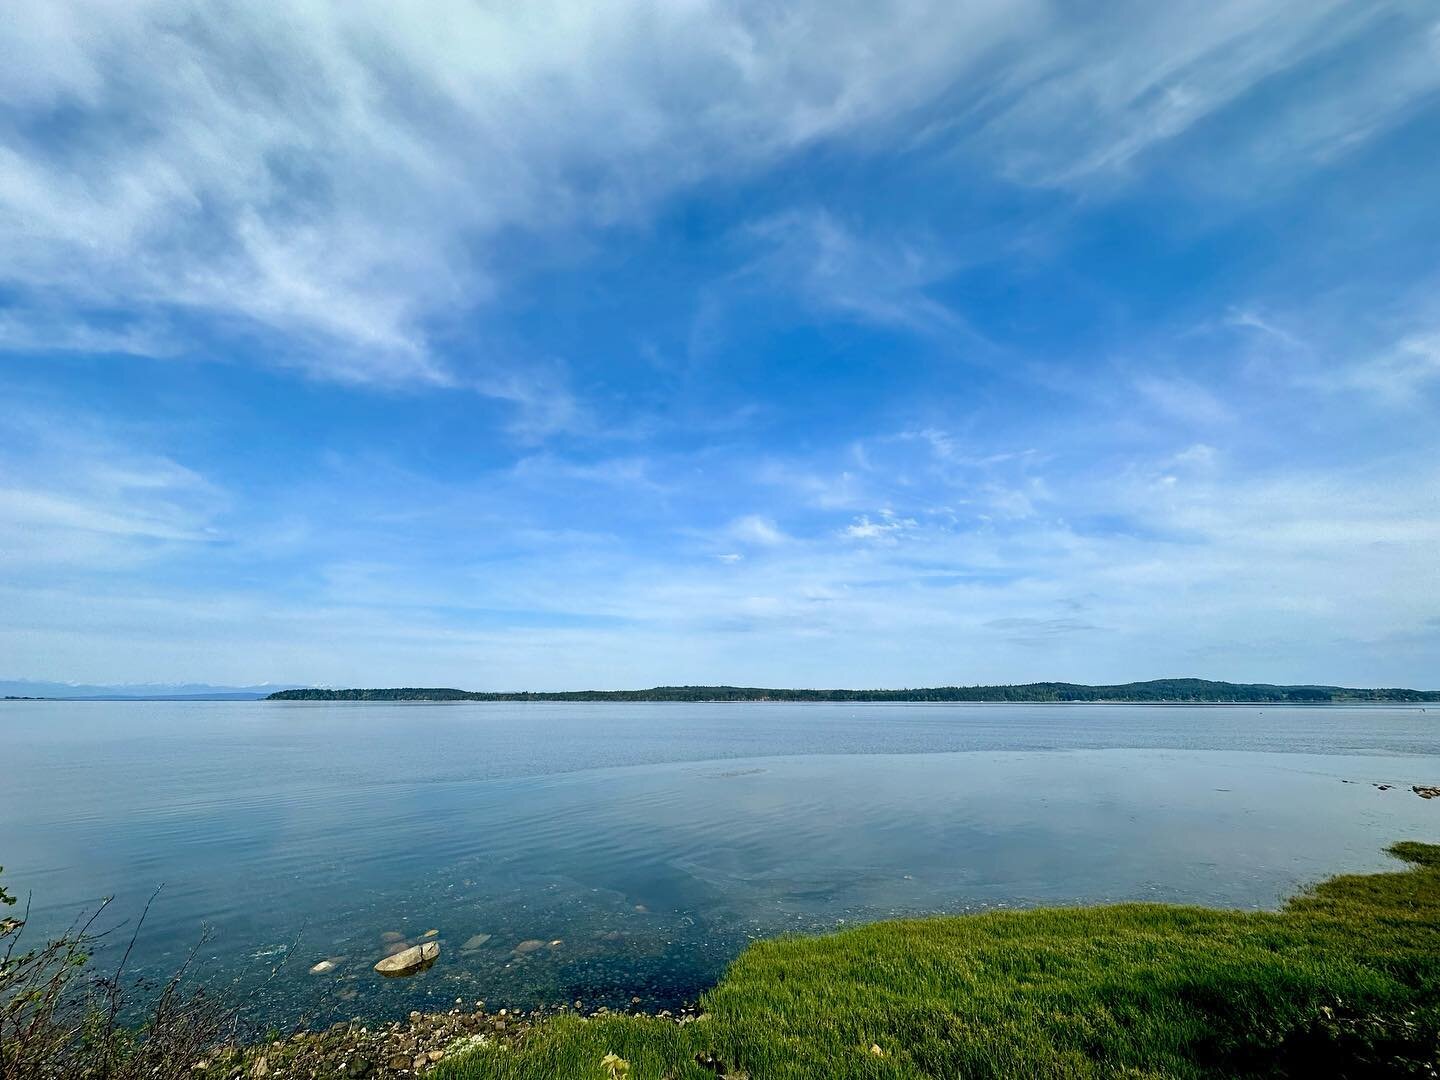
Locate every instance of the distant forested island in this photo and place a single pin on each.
(1198, 691)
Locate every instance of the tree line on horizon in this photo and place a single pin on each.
(1196, 691)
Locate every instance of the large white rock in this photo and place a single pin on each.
(416, 958)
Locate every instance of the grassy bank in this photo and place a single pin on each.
(1345, 981)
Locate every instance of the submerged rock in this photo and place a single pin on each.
(528, 946)
(324, 967)
(390, 937)
(416, 958)
(475, 941)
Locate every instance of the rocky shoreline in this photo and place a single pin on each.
(361, 1050)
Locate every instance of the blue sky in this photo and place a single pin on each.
(878, 344)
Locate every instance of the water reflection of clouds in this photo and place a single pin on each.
(655, 842)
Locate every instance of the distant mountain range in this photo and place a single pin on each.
(31, 688)
(1195, 691)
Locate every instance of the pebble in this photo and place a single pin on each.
(357, 1051)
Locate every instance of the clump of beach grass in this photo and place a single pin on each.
(1343, 982)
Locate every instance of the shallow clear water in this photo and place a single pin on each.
(652, 841)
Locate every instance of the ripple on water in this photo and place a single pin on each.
(653, 843)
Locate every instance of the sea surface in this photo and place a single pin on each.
(635, 848)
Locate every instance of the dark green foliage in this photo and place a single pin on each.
(62, 1020)
(1345, 982)
(1156, 690)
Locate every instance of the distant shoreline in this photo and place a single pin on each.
(1153, 692)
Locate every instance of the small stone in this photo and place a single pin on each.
(437, 1055)
(260, 1068)
(432, 933)
(324, 967)
(421, 1061)
(359, 1067)
(875, 1049)
(399, 1061)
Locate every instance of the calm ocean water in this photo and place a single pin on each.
(653, 841)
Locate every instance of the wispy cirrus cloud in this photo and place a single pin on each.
(1078, 109)
(1400, 374)
(831, 268)
(333, 173)
(337, 177)
(424, 576)
(72, 494)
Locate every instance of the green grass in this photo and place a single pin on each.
(1345, 981)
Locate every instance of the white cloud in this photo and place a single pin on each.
(866, 279)
(1277, 565)
(757, 530)
(55, 332)
(1398, 375)
(73, 495)
(1184, 399)
(334, 174)
(886, 530)
(1392, 364)
(1095, 94)
(330, 171)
